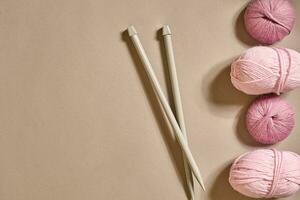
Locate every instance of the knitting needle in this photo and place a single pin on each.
(156, 86)
(166, 32)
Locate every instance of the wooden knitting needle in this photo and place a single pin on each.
(156, 86)
(166, 32)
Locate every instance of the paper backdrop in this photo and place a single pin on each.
(79, 120)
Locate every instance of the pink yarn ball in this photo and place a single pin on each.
(270, 119)
(266, 173)
(269, 21)
(263, 70)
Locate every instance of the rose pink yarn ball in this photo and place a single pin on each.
(270, 119)
(266, 173)
(269, 21)
(263, 70)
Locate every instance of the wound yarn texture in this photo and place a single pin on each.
(269, 21)
(270, 119)
(266, 173)
(263, 70)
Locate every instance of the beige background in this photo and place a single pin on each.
(79, 119)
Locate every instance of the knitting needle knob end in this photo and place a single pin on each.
(166, 30)
(131, 31)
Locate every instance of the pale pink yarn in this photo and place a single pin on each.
(269, 21)
(262, 70)
(266, 173)
(270, 119)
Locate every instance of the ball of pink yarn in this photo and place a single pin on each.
(263, 70)
(269, 21)
(270, 119)
(266, 173)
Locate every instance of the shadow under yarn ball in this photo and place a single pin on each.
(266, 173)
(269, 21)
(264, 70)
(270, 119)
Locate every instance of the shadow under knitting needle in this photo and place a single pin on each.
(173, 147)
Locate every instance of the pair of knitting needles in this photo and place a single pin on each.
(179, 127)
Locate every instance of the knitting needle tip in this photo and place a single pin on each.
(200, 181)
